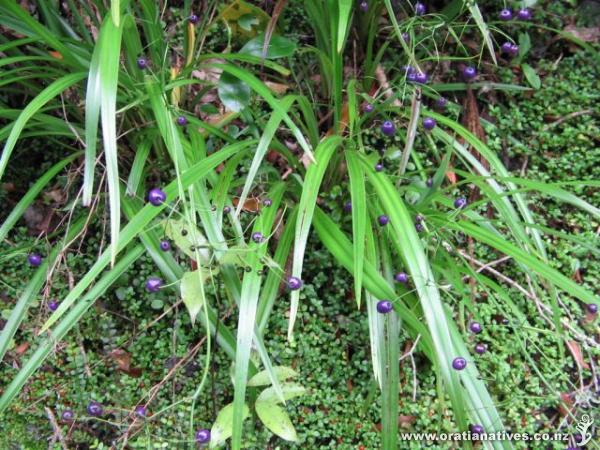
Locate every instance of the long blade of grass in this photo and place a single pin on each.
(33, 107)
(306, 209)
(358, 195)
(110, 53)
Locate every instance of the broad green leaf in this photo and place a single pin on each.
(244, 18)
(281, 372)
(223, 426)
(279, 47)
(192, 291)
(290, 391)
(532, 77)
(187, 240)
(276, 419)
(233, 92)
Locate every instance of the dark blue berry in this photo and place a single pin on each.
(364, 6)
(227, 210)
(475, 327)
(368, 108)
(401, 277)
(140, 410)
(460, 202)
(34, 259)
(480, 349)
(142, 63)
(592, 308)
(420, 9)
(95, 409)
(421, 78)
(165, 245)
(459, 363)
(469, 73)
(429, 182)
(429, 123)
(348, 206)
(202, 436)
(388, 128)
(67, 415)
(383, 220)
(378, 167)
(294, 283)
(524, 14)
(156, 196)
(153, 284)
(181, 120)
(258, 237)
(53, 305)
(419, 227)
(193, 19)
(476, 429)
(441, 102)
(506, 14)
(384, 306)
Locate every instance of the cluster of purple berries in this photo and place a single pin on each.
(522, 14)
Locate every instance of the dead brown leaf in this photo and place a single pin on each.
(577, 355)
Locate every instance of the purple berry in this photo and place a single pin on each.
(510, 49)
(460, 202)
(202, 436)
(401, 277)
(406, 37)
(258, 237)
(142, 63)
(156, 196)
(514, 50)
(420, 9)
(429, 182)
(140, 410)
(475, 327)
(419, 227)
(294, 283)
(348, 206)
(388, 128)
(267, 202)
(469, 73)
(383, 220)
(67, 415)
(592, 308)
(477, 429)
(524, 14)
(506, 14)
(459, 363)
(480, 349)
(408, 70)
(181, 120)
(429, 123)
(193, 19)
(153, 284)
(384, 306)
(378, 167)
(165, 245)
(53, 305)
(368, 108)
(364, 6)
(34, 259)
(227, 210)
(95, 409)
(441, 102)
(421, 78)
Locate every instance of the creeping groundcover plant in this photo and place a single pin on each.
(205, 138)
